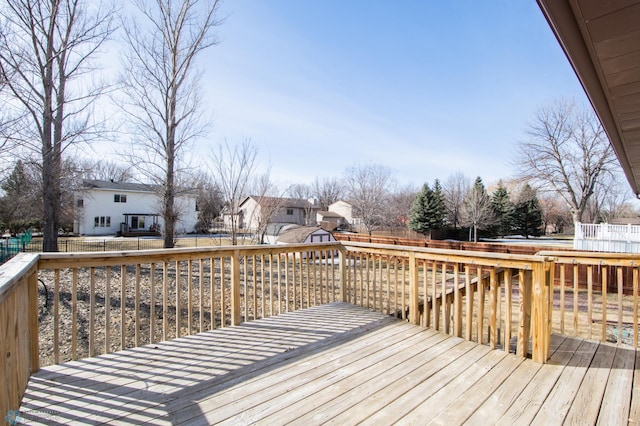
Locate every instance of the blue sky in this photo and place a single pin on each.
(426, 88)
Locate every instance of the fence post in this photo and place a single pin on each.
(414, 309)
(541, 311)
(235, 288)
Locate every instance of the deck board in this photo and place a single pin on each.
(337, 364)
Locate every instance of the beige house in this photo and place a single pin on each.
(256, 212)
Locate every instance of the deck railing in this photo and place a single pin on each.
(604, 237)
(97, 303)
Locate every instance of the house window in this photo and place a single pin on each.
(289, 212)
(80, 202)
(119, 198)
(102, 221)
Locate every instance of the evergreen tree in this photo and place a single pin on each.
(528, 214)
(503, 210)
(419, 213)
(428, 210)
(439, 209)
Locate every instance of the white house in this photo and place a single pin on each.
(108, 207)
(255, 212)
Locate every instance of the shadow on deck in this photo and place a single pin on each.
(337, 364)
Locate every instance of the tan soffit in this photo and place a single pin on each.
(601, 39)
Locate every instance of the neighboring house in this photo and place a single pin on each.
(108, 207)
(331, 220)
(256, 212)
(346, 210)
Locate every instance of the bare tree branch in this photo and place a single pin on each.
(567, 151)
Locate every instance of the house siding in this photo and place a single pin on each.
(99, 202)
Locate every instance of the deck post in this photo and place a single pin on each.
(541, 313)
(414, 308)
(235, 288)
(344, 294)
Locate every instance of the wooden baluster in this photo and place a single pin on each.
(137, 306)
(123, 306)
(480, 317)
(152, 304)
(525, 279)
(620, 302)
(469, 299)
(201, 294)
(223, 293)
(212, 293)
(74, 314)
(414, 312)
(590, 300)
(255, 287)
(234, 262)
(165, 300)
(493, 308)
(508, 276)
(92, 311)
(178, 300)
(575, 300)
(635, 307)
(426, 321)
(604, 272)
(434, 297)
(445, 306)
(457, 302)
(562, 297)
(246, 288)
(271, 301)
(56, 316)
(189, 297)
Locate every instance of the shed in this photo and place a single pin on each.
(304, 234)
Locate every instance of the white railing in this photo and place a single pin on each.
(607, 238)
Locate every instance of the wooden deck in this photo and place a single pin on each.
(338, 364)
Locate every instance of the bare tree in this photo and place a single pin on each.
(46, 53)
(455, 191)
(478, 210)
(397, 212)
(209, 201)
(233, 168)
(368, 188)
(328, 191)
(556, 216)
(104, 170)
(271, 201)
(303, 191)
(567, 152)
(160, 84)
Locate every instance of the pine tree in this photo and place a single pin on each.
(503, 209)
(528, 214)
(438, 207)
(428, 210)
(419, 214)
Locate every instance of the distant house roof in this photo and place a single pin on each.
(625, 221)
(120, 186)
(282, 202)
(298, 234)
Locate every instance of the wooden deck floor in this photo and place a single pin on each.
(338, 364)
